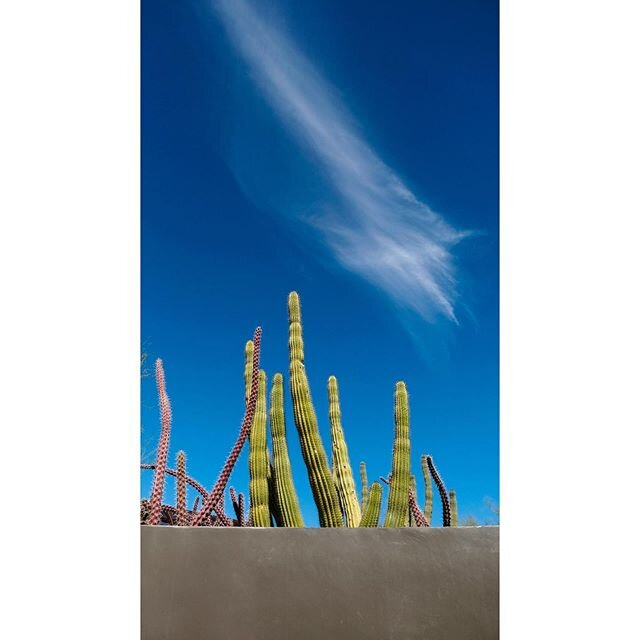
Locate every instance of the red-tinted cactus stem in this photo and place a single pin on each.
(249, 520)
(155, 507)
(181, 490)
(241, 519)
(417, 514)
(194, 510)
(218, 490)
(236, 504)
(194, 483)
(444, 496)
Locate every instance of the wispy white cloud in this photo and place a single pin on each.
(372, 223)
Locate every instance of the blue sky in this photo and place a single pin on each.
(348, 151)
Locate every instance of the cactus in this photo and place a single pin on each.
(248, 369)
(283, 479)
(342, 474)
(241, 517)
(218, 489)
(274, 503)
(258, 459)
(181, 489)
(428, 490)
(446, 507)
(410, 521)
(371, 514)
(397, 505)
(157, 491)
(416, 515)
(454, 507)
(195, 504)
(365, 485)
(313, 453)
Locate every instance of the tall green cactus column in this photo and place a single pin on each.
(313, 453)
(364, 483)
(399, 492)
(343, 475)
(428, 489)
(259, 460)
(283, 479)
(371, 514)
(454, 507)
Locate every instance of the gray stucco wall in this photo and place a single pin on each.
(303, 584)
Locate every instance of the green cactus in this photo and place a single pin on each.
(283, 479)
(313, 453)
(454, 507)
(398, 504)
(365, 485)
(342, 474)
(248, 370)
(428, 489)
(259, 460)
(371, 514)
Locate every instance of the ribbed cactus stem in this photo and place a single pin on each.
(248, 369)
(194, 483)
(371, 514)
(410, 520)
(218, 489)
(155, 506)
(399, 490)
(416, 514)
(364, 484)
(241, 518)
(446, 507)
(259, 460)
(282, 475)
(313, 453)
(454, 507)
(181, 489)
(428, 489)
(195, 504)
(343, 476)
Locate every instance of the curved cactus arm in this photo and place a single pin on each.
(428, 489)
(446, 507)
(282, 476)
(181, 489)
(218, 489)
(397, 505)
(364, 484)
(157, 491)
(371, 514)
(454, 507)
(416, 514)
(259, 460)
(313, 453)
(343, 476)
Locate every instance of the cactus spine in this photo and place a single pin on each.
(454, 507)
(343, 476)
(446, 507)
(313, 453)
(371, 514)
(181, 489)
(259, 460)
(283, 479)
(398, 495)
(428, 490)
(157, 491)
(365, 485)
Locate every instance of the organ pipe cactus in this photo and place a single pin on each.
(410, 520)
(371, 514)
(428, 489)
(181, 489)
(364, 484)
(157, 491)
(283, 479)
(446, 507)
(343, 476)
(313, 453)
(218, 490)
(248, 368)
(454, 507)
(259, 460)
(399, 482)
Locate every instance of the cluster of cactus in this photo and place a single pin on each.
(272, 497)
